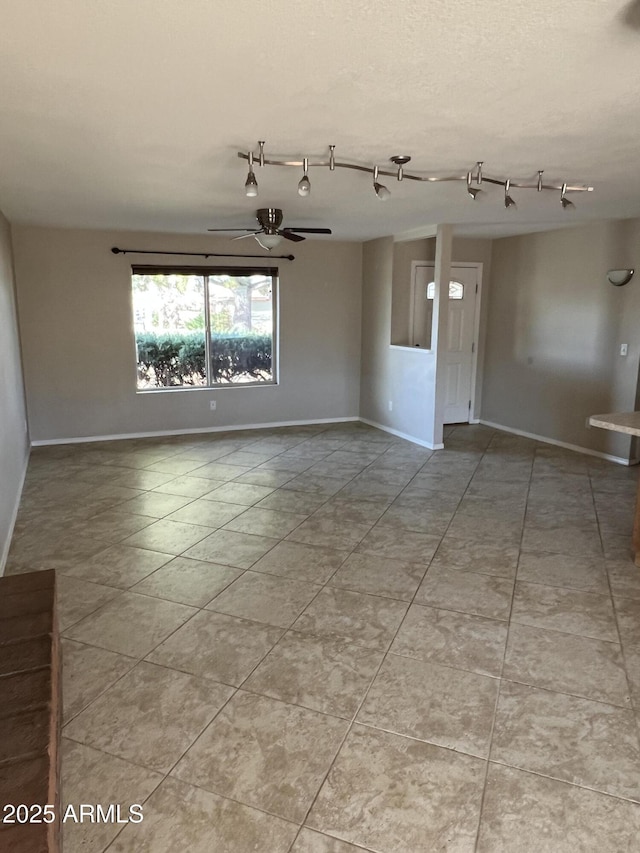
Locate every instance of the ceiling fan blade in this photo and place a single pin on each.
(290, 235)
(229, 229)
(244, 236)
(308, 230)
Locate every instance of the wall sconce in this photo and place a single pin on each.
(618, 278)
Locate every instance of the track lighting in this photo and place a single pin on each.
(304, 186)
(474, 192)
(400, 160)
(381, 191)
(475, 180)
(508, 201)
(251, 185)
(564, 201)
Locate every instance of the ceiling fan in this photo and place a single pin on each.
(270, 234)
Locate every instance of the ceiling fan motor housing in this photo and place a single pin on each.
(269, 217)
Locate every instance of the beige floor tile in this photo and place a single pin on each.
(315, 842)
(288, 501)
(492, 530)
(228, 649)
(326, 532)
(244, 494)
(453, 639)
(584, 573)
(265, 598)
(119, 566)
(169, 537)
(325, 675)
(231, 549)
(407, 545)
(187, 581)
(572, 540)
(410, 513)
(469, 592)
(153, 504)
(150, 716)
(369, 487)
(220, 471)
(248, 457)
(86, 673)
(624, 578)
(365, 620)
(568, 610)
(177, 466)
(311, 563)
(567, 738)
(188, 486)
(90, 776)
(531, 814)
(589, 668)
(445, 706)
(112, 526)
(131, 624)
(397, 795)
(351, 511)
(628, 613)
(207, 512)
(315, 484)
(77, 598)
(177, 811)
(265, 753)
(59, 552)
(273, 478)
(137, 478)
(469, 555)
(379, 576)
(265, 522)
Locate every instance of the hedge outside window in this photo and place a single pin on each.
(201, 327)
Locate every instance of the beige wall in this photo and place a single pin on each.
(403, 256)
(74, 300)
(554, 332)
(14, 443)
(405, 377)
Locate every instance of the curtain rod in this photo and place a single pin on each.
(117, 251)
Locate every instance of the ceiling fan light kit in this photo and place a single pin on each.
(270, 232)
(473, 178)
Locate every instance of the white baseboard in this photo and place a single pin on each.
(620, 460)
(404, 435)
(198, 431)
(14, 516)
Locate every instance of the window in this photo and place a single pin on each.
(198, 327)
(456, 290)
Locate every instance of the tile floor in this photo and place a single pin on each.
(329, 640)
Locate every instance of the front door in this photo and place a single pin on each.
(459, 349)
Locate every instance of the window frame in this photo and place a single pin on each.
(206, 272)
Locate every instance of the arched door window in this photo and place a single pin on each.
(456, 289)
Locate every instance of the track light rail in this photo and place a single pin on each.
(474, 175)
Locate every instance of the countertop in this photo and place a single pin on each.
(628, 422)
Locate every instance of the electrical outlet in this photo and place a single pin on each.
(212, 405)
(390, 405)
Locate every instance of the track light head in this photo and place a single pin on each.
(564, 201)
(251, 185)
(380, 190)
(508, 201)
(304, 185)
(474, 191)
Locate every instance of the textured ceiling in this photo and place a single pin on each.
(129, 115)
